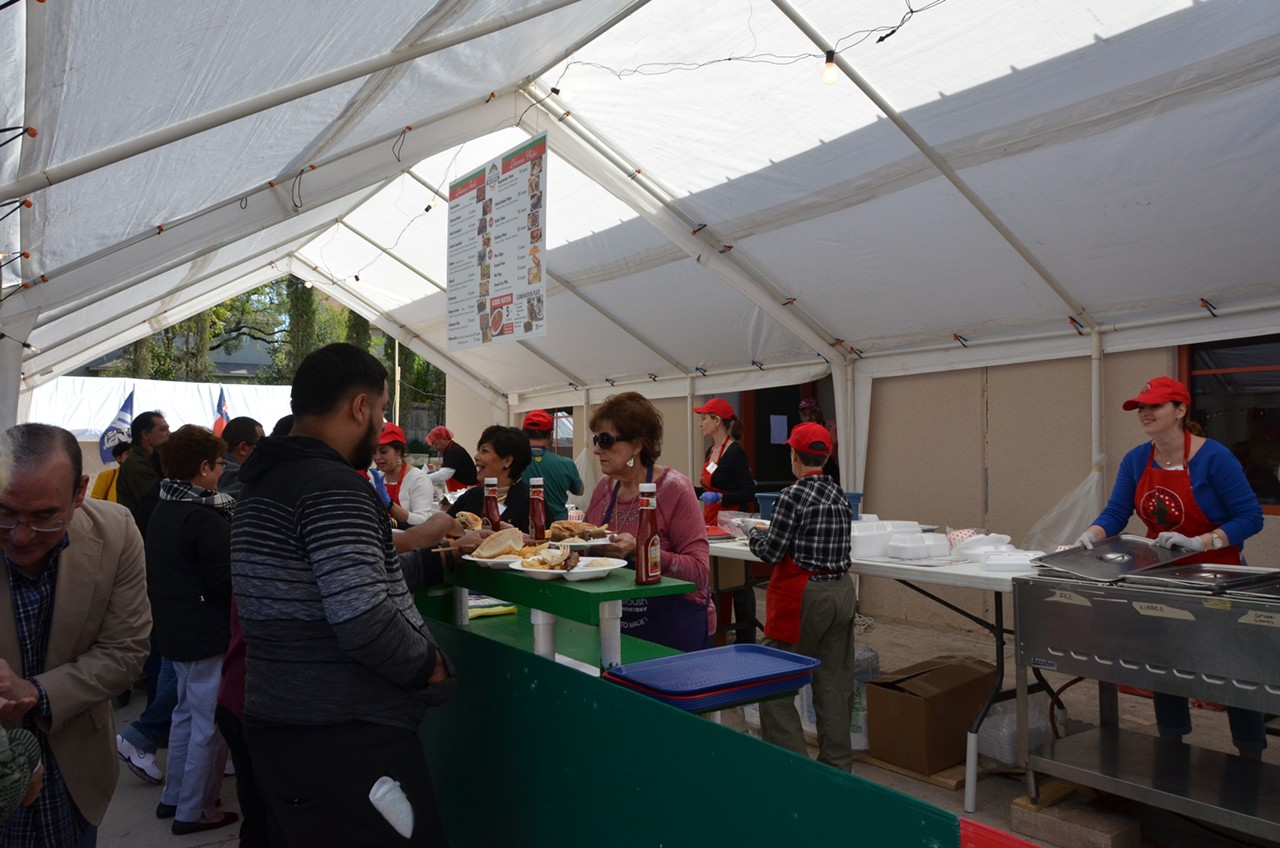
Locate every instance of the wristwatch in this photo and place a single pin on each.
(1218, 541)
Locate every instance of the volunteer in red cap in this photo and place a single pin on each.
(1192, 494)
(810, 604)
(560, 476)
(811, 412)
(413, 497)
(726, 480)
(457, 470)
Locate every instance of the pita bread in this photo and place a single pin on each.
(502, 543)
(468, 520)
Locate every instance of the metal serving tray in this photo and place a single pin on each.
(1203, 575)
(1111, 559)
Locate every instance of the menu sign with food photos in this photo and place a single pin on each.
(496, 242)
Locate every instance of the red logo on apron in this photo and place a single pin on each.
(1162, 508)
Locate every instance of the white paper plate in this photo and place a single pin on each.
(497, 562)
(537, 573)
(593, 568)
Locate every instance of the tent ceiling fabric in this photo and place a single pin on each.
(1127, 146)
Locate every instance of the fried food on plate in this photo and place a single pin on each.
(564, 529)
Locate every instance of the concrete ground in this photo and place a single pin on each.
(131, 822)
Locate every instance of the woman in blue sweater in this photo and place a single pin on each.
(1191, 493)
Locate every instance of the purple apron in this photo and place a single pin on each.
(672, 620)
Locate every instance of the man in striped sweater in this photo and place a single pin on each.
(340, 666)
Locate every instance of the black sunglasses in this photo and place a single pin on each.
(606, 440)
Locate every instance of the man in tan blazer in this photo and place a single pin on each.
(74, 626)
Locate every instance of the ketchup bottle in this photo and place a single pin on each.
(491, 512)
(648, 550)
(537, 511)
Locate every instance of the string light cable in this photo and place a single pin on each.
(28, 345)
(845, 42)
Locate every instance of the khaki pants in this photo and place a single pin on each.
(827, 612)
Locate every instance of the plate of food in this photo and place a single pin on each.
(593, 568)
(499, 550)
(547, 562)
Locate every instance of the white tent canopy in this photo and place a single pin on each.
(971, 185)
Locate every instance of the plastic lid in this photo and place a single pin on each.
(536, 481)
(491, 481)
(648, 488)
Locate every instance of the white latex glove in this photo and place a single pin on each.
(1177, 540)
(1085, 541)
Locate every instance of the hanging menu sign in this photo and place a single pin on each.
(496, 244)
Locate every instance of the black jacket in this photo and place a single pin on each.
(517, 504)
(189, 580)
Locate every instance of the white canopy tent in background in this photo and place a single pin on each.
(87, 405)
(997, 181)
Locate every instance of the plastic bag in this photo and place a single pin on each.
(1069, 517)
(728, 521)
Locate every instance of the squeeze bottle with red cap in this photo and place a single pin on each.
(537, 510)
(648, 549)
(492, 514)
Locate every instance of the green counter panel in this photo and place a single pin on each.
(532, 753)
(579, 641)
(579, 601)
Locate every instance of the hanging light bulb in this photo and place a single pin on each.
(307, 283)
(830, 73)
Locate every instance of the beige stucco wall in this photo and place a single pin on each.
(998, 448)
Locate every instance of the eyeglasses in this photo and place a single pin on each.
(222, 462)
(40, 525)
(606, 440)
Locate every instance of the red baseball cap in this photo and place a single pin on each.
(1159, 390)
(392, 433)
(439, 433)
(810, 438)
(716, 406)
(538, 419)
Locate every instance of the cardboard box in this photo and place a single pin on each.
(918, 717)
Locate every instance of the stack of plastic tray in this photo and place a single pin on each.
(716, 678)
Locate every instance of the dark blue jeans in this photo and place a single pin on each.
(151, 729)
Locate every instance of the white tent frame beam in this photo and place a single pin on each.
(974, 199)
(373, 313)
(282, 248)
(596, 157)
(573, 290)
(268, 100)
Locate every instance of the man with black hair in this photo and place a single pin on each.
(74, 620)
(137, 475)
(340, 666)
(241, 435)
(811, 602)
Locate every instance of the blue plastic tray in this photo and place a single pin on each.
(717, 677)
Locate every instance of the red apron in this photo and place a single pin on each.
(711, 512)
(393, 489)
(782, 601)
(453, 485)
(1165, 503)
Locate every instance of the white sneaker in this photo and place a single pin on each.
(229, 770)
(142, 764)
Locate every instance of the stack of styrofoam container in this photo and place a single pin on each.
(869, 539)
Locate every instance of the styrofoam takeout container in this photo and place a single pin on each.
(937, 544)
(908, 546)
(1010, 561)
(902, 526)
(869, 539)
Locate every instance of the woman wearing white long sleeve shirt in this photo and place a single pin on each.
(413, 496)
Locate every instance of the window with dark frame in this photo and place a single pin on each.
(1235, 394)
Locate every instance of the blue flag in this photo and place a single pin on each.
(117, 431)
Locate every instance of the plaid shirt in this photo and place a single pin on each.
(810, 521)
(52, 821)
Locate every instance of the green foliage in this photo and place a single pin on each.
(284, 314)
(358, 331)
